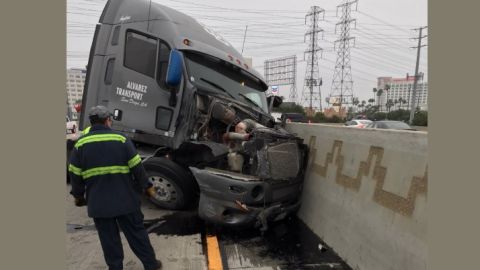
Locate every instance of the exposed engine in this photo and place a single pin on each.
(230, 137)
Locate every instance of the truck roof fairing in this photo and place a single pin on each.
(174, 27)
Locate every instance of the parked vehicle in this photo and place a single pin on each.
(201, 112)
(71, 126)
(277, 116)
(294, 117)
(358, 123)
(385, 124)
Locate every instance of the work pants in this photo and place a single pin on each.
(137, 237)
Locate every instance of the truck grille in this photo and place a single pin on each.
(284, 160)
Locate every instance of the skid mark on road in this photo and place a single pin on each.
(289, 244)
(179, 223)
(79, 227)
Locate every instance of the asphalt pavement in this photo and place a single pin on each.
(183, 241)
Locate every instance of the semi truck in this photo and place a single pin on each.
(198, 112)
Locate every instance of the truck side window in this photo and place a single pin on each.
(163, 118)
(109, 71)
(116, 33)
(140, 53)
(163, 57)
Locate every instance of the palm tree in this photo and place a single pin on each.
(389, 104)
(371, 100)
(404, 101)
(379, 94)
(360, 106)
(374, 92)
(356, 102)
(395, 102)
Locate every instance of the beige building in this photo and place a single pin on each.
(75, 83)
(403, 88)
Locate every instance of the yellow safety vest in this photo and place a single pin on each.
(85, 131)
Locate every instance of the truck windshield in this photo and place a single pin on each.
(224, 77)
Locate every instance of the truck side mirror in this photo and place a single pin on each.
(174, 75)
(274, 101)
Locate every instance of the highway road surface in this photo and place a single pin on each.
(182, 241)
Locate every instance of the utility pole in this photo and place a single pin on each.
(342, 84)
(415, 81)
(309, 96)
(69, 110)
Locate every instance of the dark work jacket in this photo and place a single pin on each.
(105, 165)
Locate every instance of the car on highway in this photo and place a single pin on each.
(71, 126)
(362, 123)
(293, 117)
(386, 124)
(277, 116)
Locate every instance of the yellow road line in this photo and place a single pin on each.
(213, 253)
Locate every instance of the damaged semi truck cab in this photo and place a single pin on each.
(189, 98)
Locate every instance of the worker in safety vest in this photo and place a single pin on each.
(86, 130)
(105, 167)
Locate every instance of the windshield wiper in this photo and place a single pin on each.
(218, 87)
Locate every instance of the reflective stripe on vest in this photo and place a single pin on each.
(100, 138)
(86, 131)
(74, 170)
(134, 161)
(105, 170)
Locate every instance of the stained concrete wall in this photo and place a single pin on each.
(365, 194)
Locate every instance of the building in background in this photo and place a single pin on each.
(75, 83)
(402, 88)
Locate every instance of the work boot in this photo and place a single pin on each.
(159, 265)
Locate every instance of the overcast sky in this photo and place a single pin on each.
(277, 29)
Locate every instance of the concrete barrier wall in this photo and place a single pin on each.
(365, 194)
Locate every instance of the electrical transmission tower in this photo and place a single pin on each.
(414, 93)
(310, 97)
(342, 84)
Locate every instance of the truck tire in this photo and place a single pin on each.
(175, 186)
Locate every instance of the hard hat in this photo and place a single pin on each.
(99, 111)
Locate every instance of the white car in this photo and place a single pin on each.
(71, 126)
(358, 123)
(277, 116)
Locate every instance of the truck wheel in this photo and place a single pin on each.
(175, 187)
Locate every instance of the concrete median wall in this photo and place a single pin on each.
(365, 194)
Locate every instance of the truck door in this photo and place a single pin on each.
(137, 93)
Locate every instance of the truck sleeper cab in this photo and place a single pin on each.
(199, 112)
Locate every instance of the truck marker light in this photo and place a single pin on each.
(231, 57)
(246, 66)
(238, 62)
(186, 42)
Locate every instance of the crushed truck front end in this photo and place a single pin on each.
(208, 124)
(265, 186)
